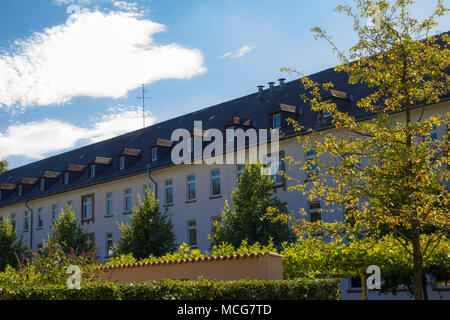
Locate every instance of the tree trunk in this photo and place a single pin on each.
(424, 287)
(362, 276)
(417, 267)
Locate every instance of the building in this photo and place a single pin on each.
(101, 181)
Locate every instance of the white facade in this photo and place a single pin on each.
(203, 209)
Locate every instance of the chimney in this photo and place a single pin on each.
(281, 82)
(260, 91)
(271, 86)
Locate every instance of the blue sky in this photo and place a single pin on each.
(69, 83)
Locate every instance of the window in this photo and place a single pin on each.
(87, 207)
(325, 113)
(109, 204)
(276, 121)
(92, 170)
(314, 211)
(66, 177)
(311, 157)
(169, 191)
(109, 244)
(19, 190)
(154, 154)
(42, 184)
(240, 169)
(40, 222)
(122, 163)
(230, 134)
(276, 168)
(90, 240)
(127, 201)
(215, 182)
(26, 221)
(54, 212)
(190, 180)
(192, 231)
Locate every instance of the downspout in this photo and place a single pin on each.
(149, 171)
(31, 224)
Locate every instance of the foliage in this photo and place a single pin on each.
(11, 247)
(298, 289)
(387, 171)
(185, 252)
(48, 270)
(3, 166)
(311, 258)
(68, 234)
(150, 231)
(246, 220)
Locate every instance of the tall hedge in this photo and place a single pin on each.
(298, 289)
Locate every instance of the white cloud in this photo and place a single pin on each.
(98, 55)
(37, 139)
(239, 53)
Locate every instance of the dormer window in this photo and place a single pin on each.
(122, 162)
(325, 113)
(19, 190)
(276, 121)
(42, 184)
(66, 178)
(230, 134)
(154, 154)
(92, 170)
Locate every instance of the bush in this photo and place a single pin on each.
(298, 289)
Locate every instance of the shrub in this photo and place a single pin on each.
(298, 289)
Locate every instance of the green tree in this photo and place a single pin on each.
(246, 220)
(3, 166)
(314, 257)
(11, 248)
(389, 167)
(150, 231)
(68, 234)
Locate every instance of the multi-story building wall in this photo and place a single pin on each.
(102, 181)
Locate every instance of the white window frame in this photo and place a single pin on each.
(54, 212)
(109, 198)
(167, 187)
(212, 177)
(194, 227)
(187, 187)
(109, 244)
(127, 194)
(317, 211)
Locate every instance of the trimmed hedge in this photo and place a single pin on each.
(297, 289)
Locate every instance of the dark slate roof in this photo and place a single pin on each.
(258, 109)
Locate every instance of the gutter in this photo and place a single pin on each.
(31, 223)
(149, 171)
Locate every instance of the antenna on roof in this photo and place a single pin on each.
(143, 97)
